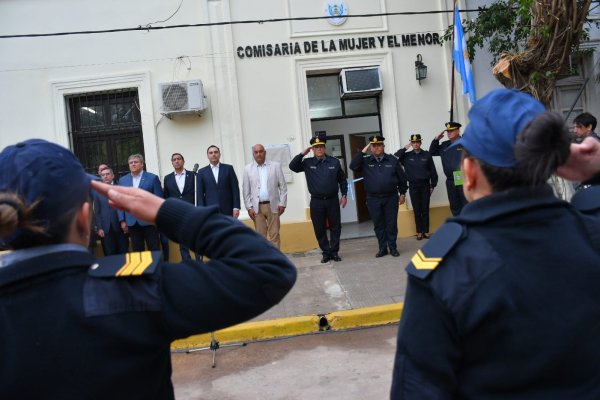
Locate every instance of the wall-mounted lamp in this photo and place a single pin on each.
(420, 69)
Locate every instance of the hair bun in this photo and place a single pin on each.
(541, 147)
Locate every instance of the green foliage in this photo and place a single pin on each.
(504, 26)
(501, 27)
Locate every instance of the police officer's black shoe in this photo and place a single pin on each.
(394, 252)
(381, 253)
(336, 258)
(325, 259)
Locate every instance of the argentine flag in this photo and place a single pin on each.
(461, 58)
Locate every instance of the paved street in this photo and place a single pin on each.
(332, 365)
(354, 365)
(360, 280)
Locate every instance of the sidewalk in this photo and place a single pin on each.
(361, 290)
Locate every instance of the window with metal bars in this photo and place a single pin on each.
(105, 128)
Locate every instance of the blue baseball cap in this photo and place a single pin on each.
(41, 171)
(494, 123)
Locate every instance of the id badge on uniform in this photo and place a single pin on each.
(458, 180)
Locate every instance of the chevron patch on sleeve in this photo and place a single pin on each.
(431, 255)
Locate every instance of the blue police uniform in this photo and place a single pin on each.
(450, 163)
(384, 180)
(324, 177)
(495, 309)
(76, 327)
(422, 177)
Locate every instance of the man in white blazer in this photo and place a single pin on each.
(265, 194)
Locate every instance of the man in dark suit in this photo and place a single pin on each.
(139, 231)
(218, 185)
(180, 184)
(106, 220)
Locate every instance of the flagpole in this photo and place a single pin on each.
(452, 71)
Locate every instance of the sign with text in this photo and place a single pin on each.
(324, 46)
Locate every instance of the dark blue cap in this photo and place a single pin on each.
(494, 123)
(39, 170)
(376, 139)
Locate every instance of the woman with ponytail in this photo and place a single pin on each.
(76, 327)
(503, 301)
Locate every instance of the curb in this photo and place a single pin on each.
(294, 326)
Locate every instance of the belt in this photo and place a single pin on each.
(324, 197)
(381, 194)
(264, 202)
(418, 183)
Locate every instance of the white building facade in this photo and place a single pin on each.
(270, 73)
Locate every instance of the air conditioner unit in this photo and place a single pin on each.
(360, 82)
(185, 97)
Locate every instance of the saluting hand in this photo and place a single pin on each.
(440, 135)
(583, 162)
(365, 150)
(307, 150)
(137, 202)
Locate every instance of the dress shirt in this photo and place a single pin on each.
(180, 180)
(263, 172)
(136, 180)
(215, 171)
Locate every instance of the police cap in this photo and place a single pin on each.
(376, 139)
(415, 138)
(318, 140)
(45, 173)
(450, 126)
(494, 123)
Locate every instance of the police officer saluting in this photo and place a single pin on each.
(494, 309)
(77, 327)
(324, 174)
(385, 184)
(451, 165)
(422, 178)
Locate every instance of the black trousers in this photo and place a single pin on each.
(456, 197)
(142, 236)
(114, 242)
(322, 211)
(419, 198)
(384, 213)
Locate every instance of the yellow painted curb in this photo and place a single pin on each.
(250, 331)
(294, 326)
(367, 316)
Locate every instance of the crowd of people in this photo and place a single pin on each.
(493, 307)
(387, 179)
(264, 194)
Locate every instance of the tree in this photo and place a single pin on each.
(531, 40)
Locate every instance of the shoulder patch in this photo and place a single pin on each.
(126, 265)
(431, 255)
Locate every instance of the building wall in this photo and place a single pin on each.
(407, 107)
(250, 99)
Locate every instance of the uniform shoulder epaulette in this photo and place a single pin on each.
(431, 255)
(587, 199)
(126, 265)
